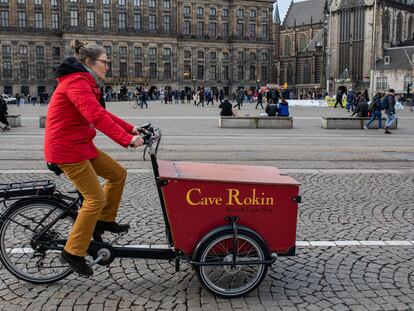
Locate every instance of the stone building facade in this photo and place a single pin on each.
(154, 43)
(301, 46)
(359, 33)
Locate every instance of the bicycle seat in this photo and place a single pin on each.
(30, 188)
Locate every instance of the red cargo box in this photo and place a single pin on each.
(198, 197)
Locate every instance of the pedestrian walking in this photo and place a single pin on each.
(240, 99)
(375, 109)
(388, 104)
(339, 96)
(200, 98)
(3, 115)
(259, 100)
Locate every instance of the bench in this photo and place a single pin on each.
(42, 121)
(352, 123)
(14, 120)
(256, 122)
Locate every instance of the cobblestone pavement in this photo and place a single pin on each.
(338, 204)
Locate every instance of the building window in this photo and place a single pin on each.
(5, 19)
(225, 30)
(106, 2)
(213, 12)
(108, 50)
(252, 30)
(240, 29)
(264, 74)
(74, 21)
(225, 73)
(153, 71)
(121, 20)
(109, 72)
(265, 14)
(187, 54)
(187, 72)
(186, 28)
(386, 31)
(166, 23)
(287, 46)
(53, 2)
(7, 70)
(23, 50)
(252, 73)
(122, 2)
(40, 51)
(90, 1)
(55, 51)
(55, 21)
(213, 55)
(123, 69)
(18, 1)
(38, 2)
(306, 73)
(122, 50)
(137, 3)
(240, 73)
(167, 52)
(382, 83)
(200, 72)
(212, 29)
(303, 41)
(21, 19)
(252, 14)
(240, 13)
(6, 49)
(90, 19)
(40, 70)
(213, 73)
(166, 4)
(225, 55)
(225, 12)
(138, 51)
(265, 31)
(106, 20)
(200, 29)
(24, 70)
(39, 20)
(152, 52)
(152, 3)
(200, 54)
(138, 70)
(152, 22)
(252, 56)
(264, 56)
(137, 22)
(240, 56)
(187, 10)
(167, 71)
(200, 11)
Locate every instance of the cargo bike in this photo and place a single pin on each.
(229, 222)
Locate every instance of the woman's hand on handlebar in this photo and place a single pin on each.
(136, 141)
(136, 130)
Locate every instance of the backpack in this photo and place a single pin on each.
(384, 103)
(373, 106)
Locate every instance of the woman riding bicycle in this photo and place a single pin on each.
(75, 110)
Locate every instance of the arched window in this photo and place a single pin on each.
(289, 74)
(274, 74)
(252, 73)
(387, 26)
(410, 29)
(306, 73)
(399, 29)
(287, 46)
(303, 42)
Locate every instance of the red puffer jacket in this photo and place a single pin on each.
(73, 114)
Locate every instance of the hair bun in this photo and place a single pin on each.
(78, 44)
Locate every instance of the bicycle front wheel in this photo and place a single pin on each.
(22, 256)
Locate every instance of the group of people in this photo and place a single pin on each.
(359, 103)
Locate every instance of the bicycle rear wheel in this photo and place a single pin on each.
(19, 254)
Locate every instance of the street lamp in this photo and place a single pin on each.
(194, 81)
(258, 84)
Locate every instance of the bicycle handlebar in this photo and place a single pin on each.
(150, 136)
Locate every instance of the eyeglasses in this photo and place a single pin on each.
(103, 61)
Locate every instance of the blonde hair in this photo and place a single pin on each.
(84, 50)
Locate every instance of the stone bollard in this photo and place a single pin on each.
(14, 120)
(42, 121)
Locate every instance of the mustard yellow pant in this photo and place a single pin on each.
(100, 203)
